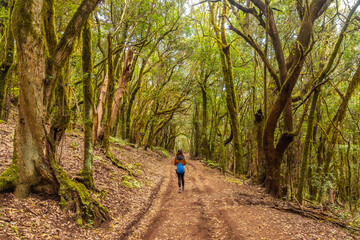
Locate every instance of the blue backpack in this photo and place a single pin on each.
(180, 168)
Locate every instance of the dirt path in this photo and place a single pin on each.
(212, 207)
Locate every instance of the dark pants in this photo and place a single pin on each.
(181, 179)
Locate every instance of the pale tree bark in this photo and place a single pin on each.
(123, 80)
(99, 112)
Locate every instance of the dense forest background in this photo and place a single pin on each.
(266, 90)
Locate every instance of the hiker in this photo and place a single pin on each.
(180, 162)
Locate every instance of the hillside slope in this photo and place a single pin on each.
(126, 197)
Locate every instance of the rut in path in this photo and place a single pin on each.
(213, 208)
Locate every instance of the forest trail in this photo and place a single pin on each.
(214, 207)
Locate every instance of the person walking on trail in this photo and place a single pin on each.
(180, 162)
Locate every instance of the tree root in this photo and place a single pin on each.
(87, 179)
(317, 214)
(7, 178)
(76, 197)
(118, 163)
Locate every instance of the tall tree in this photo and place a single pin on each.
(289, 71)
(87, 58)
(316, 96)
(34, 151)
(228, 76)
(9, 58)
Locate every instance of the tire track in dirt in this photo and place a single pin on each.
(181, 216)
(186, 215)
(221, 228)
(129, 228)
(213, 207)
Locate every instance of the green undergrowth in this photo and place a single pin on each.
(212, 164)
(118, 141)
(163, 150)
(234, 180)
(351, 217)
(135, 168)
(130, 181)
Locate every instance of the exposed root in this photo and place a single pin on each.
(87, 179)
(316, 214)
(76, 197)
(118, 163)
(7, 178)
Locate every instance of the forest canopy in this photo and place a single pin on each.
(266, 90)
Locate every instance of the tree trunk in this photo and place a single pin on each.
(260, 158)
(304, 163)
(109, 97)
(125, 77)
(87, 65)
(204, 131)
(34, 148)
(99, 112)
(231, 100)
(335, 125)
(9, 58)
(30, 129)
(196, 124)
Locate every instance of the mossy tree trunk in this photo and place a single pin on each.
(87, 65)
(288, 73)
(34, 147)
(260, 157)
(30, 135)
(131, 101)
(231, 100)
(321, 77)
(109, 103)
(9, 58)
(204, 130)
(334, 128)
(109, 96)
(196, 134)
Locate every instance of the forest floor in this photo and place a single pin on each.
(148, 206)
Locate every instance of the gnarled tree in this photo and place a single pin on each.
(34, 166)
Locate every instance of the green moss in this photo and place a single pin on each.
(63, 203)
(130, 182)
(87, 179)
(88, 209)
(22, 20)
(118, 141)
(117, 162)
(233, 180)
(8, 177)
(79, 221)
(163, 150)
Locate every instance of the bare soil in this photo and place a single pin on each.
(149, 206)
(216, 207)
